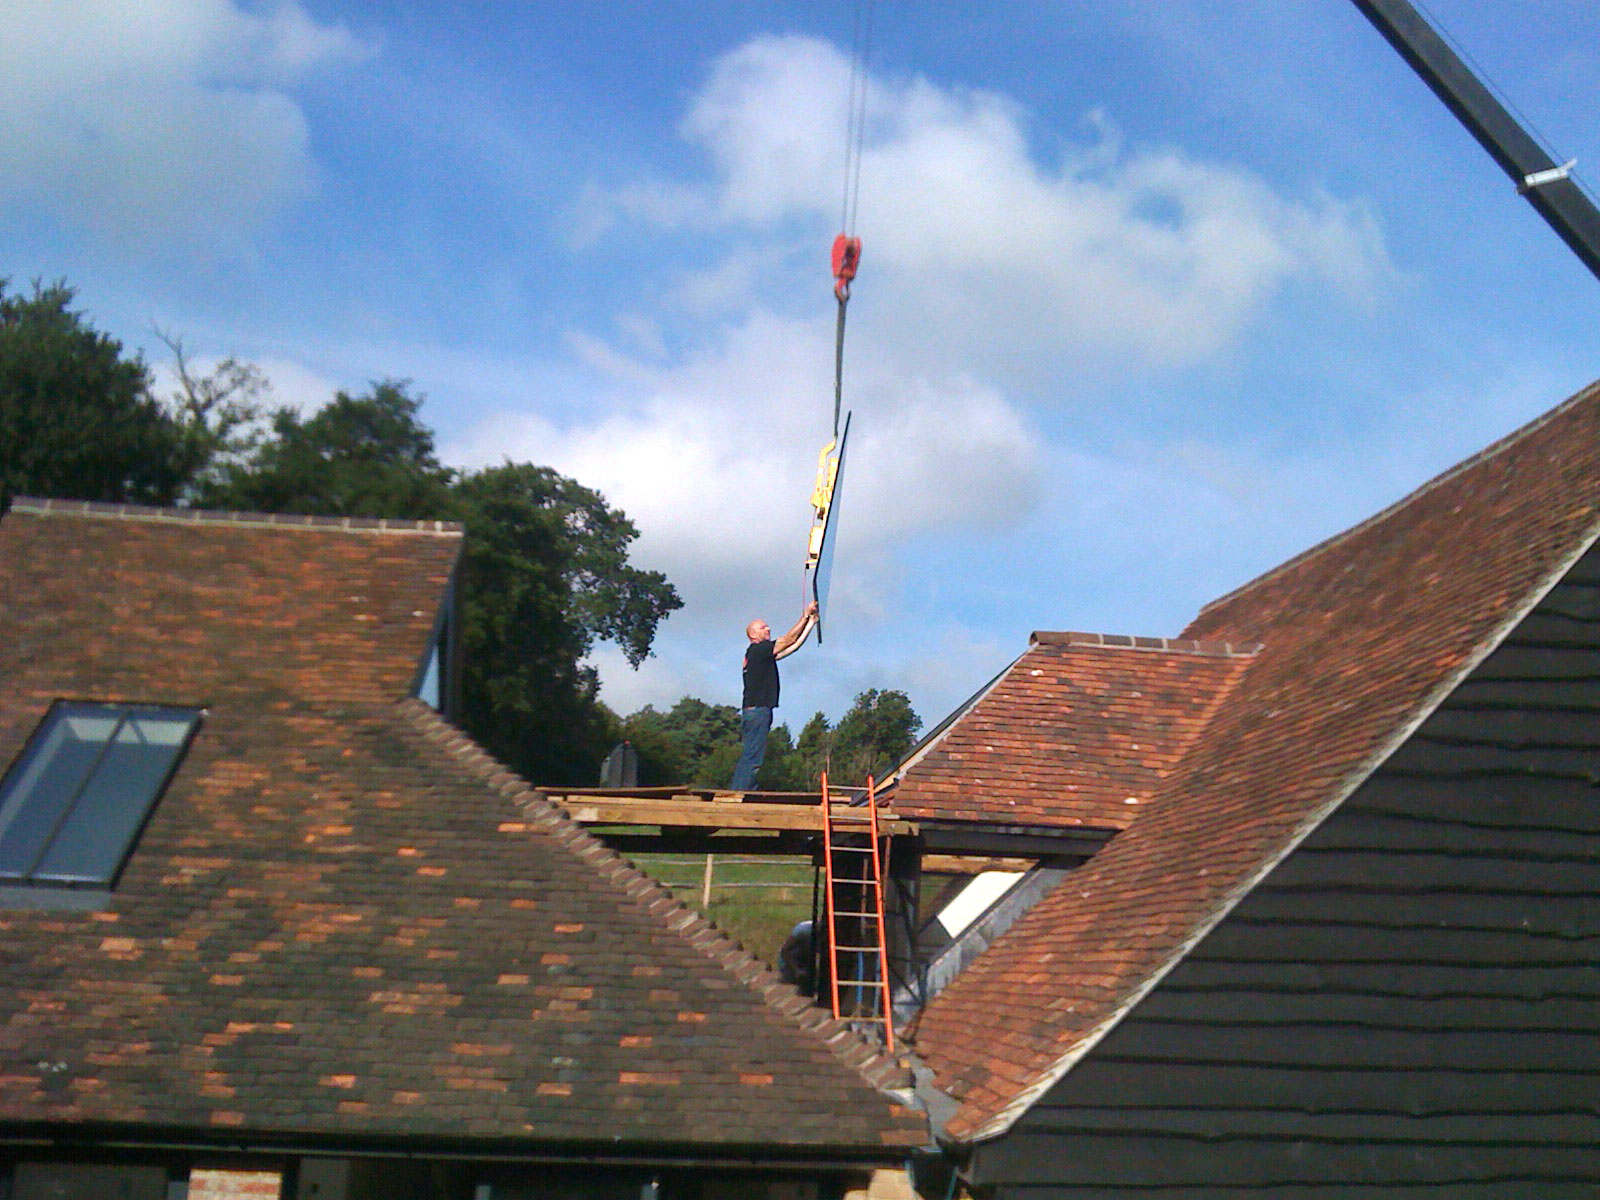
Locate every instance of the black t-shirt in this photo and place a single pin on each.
(760, 676)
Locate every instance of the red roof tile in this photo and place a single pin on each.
(1361, 637)
(343, 920)
(185, 606)
(1077, 732)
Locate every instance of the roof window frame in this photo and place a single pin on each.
(54, 802)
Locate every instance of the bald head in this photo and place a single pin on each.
(758, 630)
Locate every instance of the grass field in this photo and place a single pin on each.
(754, 900)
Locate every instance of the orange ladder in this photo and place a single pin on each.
(853, 870)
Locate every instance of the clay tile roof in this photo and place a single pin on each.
(1077, 732)
(1361, 637)
(344, 922)
(229, 604)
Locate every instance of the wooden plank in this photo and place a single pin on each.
(1562, 915)
(1514, 662)
(1237, 1089)
(1424, 755)
(1421, 871)
(1543, 693)
(694, 812)
(966, 865)
(1570, 622)
(680, 791)
(1242, 941)
(1514, 728)
(1362, 829)
(1495, 801)
(1390, 1013)
(1477, 1125)
(698, 813)
(1272, 979)
(1496, 1189)
(1319, 1047)
(1585, 573)
(1228, 1162)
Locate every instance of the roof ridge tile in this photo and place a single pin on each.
(1119, 641)
(879, 1070)
(40, 506)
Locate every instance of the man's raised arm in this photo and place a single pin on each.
(791, 641)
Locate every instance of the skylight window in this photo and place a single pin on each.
(73, 804)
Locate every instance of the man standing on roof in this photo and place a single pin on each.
(761, 690)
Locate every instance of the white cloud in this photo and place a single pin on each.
(165, 121)
(297, 386)
(773, 116)
(717, 460)
(990, 275)
(996, 258)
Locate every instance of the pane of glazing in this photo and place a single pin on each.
(94, 839)
(41, 788)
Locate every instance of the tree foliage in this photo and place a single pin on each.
(219, 413)
(546, 576)
(696, 743)
(877, 732)
(77, 419)
(367, 455)
(679, 746)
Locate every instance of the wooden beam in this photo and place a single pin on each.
(697, 811)
(785, 842)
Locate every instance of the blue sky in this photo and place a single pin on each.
(1154, 294)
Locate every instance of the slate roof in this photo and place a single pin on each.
(344, 922)
(1361, 637)
(1077, 733)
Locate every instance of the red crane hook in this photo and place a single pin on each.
(846, 257)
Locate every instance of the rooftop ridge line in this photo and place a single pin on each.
(49, 506)
(1119, 641)
(1492, 450)
(874, 1067)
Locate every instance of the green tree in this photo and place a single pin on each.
(77, 419)
(546, 575)
(813, 744)
(219, 414)
(783, 769)
(366, 456)
(878, 731)
(674, 746)
(545, 572)
(696, 743)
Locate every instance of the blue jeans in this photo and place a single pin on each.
(755, 724)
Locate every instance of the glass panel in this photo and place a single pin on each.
(428, 692)
(41, 788)
(94, 839)
(822, 577)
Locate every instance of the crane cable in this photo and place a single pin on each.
(847, 247)
(846, 258)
